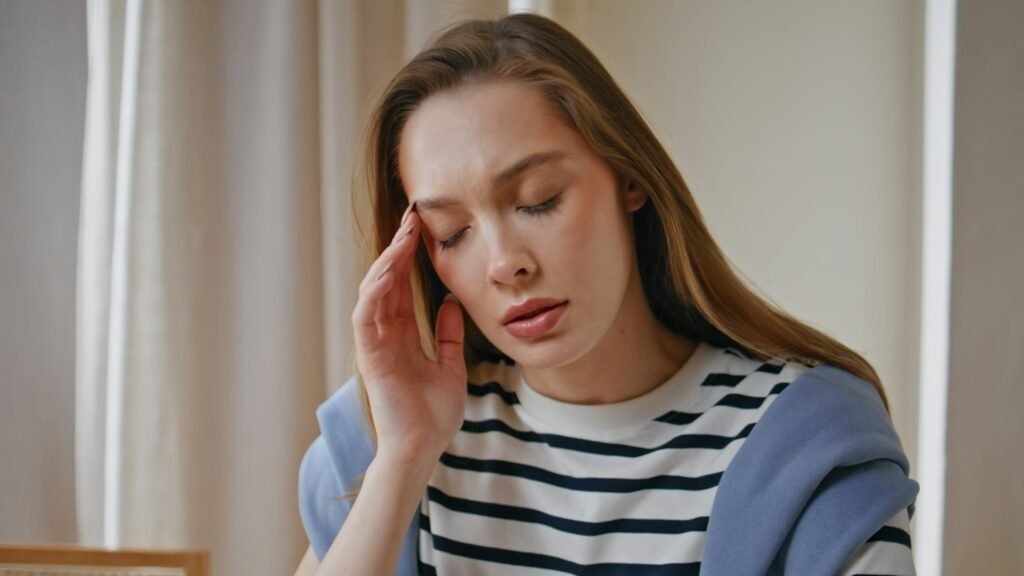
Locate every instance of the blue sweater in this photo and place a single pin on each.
(820, 473)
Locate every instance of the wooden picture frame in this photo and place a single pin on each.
(60, 559)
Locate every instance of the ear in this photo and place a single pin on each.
(635, 197)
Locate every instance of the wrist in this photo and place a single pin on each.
(413, 465)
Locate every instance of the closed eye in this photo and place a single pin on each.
(534, 210)
(543, 206)
(446, 244)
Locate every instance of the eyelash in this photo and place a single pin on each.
(534, 210)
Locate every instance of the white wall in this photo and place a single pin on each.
(797, 127)
(42, 117)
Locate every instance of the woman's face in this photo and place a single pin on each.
(501, 229)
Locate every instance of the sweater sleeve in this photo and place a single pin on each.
(850, 508)
(825, 466)
(321, 506)
(888, 551)
(332, 466)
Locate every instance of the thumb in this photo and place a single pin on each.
(450, 333)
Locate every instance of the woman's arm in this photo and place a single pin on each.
(370, 540)
(418, 403)
(308, 565)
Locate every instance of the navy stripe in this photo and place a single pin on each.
(533, 560)
(680, 418)
(423, 567)
(738, 352)
(585, 484)
(731, 380)
(742, 401)
(731, 400)
(723, 379)
(750, 402)
(765, 367)
(770, 368)
(709, 441)
(522, 514)
(507, 396)
(891, 534)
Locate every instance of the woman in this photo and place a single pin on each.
(557, 368)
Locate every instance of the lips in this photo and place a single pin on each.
(537, 322)
(530, 307)
(534, 313)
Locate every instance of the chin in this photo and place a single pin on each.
(543, 354)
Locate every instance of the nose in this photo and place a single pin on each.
(510, 262)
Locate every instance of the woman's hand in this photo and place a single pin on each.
(418, 404)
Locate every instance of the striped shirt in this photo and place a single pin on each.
(531, 485)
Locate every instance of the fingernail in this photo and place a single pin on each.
(384, 271)
(449, 297)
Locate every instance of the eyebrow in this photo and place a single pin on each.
(499, 179)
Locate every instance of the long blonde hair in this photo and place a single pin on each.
(687, 280)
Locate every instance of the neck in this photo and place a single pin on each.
(635, 356)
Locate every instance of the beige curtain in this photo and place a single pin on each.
(216, 271)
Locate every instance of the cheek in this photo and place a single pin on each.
(577, 237)
(456, 275)
(576, 242)
(463, 277)
(592, 249)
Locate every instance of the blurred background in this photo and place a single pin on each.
(176, 249)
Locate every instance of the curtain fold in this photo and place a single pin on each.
(215, 342)
(105, 37)
(214, 308)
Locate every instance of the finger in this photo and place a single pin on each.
(385, 259)
(397, 255)
(382, 260)
(400, 298)
(401, 257)
(450, 334)
(364, 314)
(399, 301)
(377, 284)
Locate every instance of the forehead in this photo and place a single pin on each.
(457, 141)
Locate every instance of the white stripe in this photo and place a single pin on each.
(725, 421)
(511, 491)
(618, 547)
(453, 564)
(689, 461)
